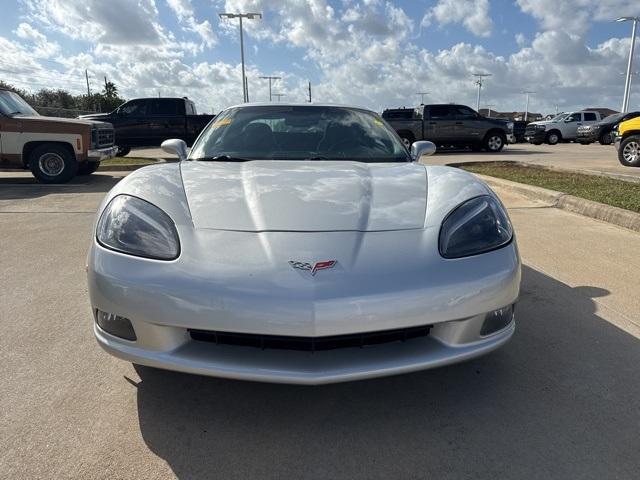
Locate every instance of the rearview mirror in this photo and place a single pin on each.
(422, 149)
(175, 146)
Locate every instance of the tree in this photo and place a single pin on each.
(110, 90)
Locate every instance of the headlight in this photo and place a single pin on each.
(510, 126)
(136, 227)
(477, 226)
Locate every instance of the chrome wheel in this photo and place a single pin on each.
(407, 142)
(631, 152)
(51, 164)
(494, 143)
(553, 139)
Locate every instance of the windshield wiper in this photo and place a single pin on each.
(222, 158)
(16, 113)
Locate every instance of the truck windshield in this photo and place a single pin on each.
(297, 132)
(560, 117)
(12, 104)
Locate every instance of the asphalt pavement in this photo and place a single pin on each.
(561, 400)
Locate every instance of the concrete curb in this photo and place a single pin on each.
(600, 211)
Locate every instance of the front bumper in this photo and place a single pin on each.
(537, 136)
(586, 136)
(511, 138)
(99, 154)
(210, 288)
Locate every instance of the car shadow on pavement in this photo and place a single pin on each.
(504, 152)
(561, 400)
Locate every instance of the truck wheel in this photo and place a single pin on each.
(87, 168)
(53, 163)
(494, 142)
(407, 138)
(629, 153)
(606, 139)
(553, 137)
(123, 151)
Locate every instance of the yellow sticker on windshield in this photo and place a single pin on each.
(377, 122)
(221, 123)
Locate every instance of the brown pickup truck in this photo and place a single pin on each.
(54, 149)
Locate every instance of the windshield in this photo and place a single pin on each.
(560, 117)
(615, 118)
(12, 104)
(299, 133)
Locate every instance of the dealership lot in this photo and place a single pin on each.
(561, 400)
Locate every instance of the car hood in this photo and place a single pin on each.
(56, 120)
(305, 196)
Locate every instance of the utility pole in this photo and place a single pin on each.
(489, 107)
(479, 82)
(246, 88)
(279, 95)
(309, 92)
(240, 16)
(526, 108)
(422, 94)
(627, 82)
(270, 79)
(105, 84)
(86, 75)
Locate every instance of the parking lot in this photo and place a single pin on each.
(561, 400)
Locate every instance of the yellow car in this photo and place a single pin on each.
(627, 142)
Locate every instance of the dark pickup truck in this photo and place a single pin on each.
(147, 122)
(450, 125)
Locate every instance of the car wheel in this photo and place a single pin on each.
(494, 142)
(553, 138)
(629, 153)
(53, 163)
(88, 168)
(606, 139)
(123, 151)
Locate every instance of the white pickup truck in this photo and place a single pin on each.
(561, 127)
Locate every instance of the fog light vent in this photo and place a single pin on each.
(115, 325)
(497, 320)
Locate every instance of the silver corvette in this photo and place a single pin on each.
(301, 244)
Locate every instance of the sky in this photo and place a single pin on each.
(371, 53)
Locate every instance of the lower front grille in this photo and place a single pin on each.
(310, 344)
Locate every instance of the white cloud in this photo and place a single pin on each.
(186, 15)
(473, 14)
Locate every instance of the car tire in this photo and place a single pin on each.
(88, 168)
(407, 139)
(53, 163)
(553, 137)
(123, 151)
(629, 152)
(606, 139)
(494, 142)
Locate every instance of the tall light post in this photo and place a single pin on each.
(627, 82)
(526, 108)
(422, 94)
(270, 78)
(240, 16)
(480, 80)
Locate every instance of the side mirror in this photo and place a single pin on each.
(422, 149)
(175, 146)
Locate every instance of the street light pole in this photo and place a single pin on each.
(240, 16)
(422, 94)
(270, 78)
(627, 82)
(479, 82)
(279, 95)
(526, 108)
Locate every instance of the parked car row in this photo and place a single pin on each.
(57, 149)
(563, 127)
(450, 125)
